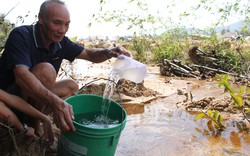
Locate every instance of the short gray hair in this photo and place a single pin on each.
(45, 4)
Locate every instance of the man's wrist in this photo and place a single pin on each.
(107, 53)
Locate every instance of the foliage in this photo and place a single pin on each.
(229, 60)
(164, 16)
(74, 39)
(173, 45)
(5, 28)
(157, 36)
(240, 97)
(215, 119)
(225, 9)
(123, 16)
(141, 45)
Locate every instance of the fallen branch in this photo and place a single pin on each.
(153, 99)
(221, 71)
(182, 69)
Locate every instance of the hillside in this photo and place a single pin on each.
(237, 26)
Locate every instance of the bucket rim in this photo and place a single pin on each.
(113, 127)
(121, 124)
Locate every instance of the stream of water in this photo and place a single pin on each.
(102, 120)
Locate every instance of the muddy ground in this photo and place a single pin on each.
(130, 95)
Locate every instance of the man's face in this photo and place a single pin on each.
(55, 23)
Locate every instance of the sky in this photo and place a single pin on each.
(81, 12)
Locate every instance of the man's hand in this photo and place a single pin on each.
(98, 55)
(47, 126)
(116, 51)
(63, 117)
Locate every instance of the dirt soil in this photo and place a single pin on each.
(127, 93)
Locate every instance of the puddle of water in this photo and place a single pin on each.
(164, 130)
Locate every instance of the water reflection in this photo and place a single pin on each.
(163, 130)
(233, 140)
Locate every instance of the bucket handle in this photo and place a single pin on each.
(112, 140)
(78, 92)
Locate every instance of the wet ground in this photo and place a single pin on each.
(164, 130)
(157, 125)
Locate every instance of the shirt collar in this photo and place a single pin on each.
(38, 39)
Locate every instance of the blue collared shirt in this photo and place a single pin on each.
(25, 47)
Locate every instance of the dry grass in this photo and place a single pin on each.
(14, 143)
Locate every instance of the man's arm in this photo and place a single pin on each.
(98, 55)
(35, 89)
(21, 105)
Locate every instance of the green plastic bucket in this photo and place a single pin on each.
(89, 141)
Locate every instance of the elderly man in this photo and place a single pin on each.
(32, 58)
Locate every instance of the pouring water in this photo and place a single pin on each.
(124, 67)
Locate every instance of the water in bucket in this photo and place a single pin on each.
(102, 120)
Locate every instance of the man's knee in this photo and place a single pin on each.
(46, 73)
(65, 88)
(73, 86)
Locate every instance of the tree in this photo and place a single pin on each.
(148, 19)
(5, 28)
